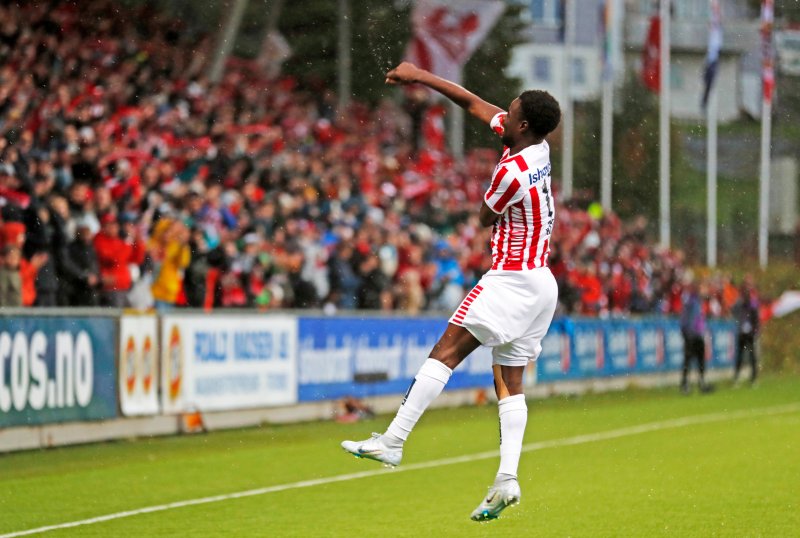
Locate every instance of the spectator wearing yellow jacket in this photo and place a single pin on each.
(172, 255)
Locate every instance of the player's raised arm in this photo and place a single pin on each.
(408, 73)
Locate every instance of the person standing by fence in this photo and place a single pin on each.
(746, 313)
(693, 328)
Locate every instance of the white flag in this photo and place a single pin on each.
(788, 302)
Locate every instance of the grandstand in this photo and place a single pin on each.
(257, 192)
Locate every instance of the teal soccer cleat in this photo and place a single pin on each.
(499, 497)
(374, 449)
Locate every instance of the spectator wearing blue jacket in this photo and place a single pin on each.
(693, 328)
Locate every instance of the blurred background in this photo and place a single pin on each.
(214, 214)
(248, 153)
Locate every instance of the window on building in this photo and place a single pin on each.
(681, 9)
(676, 81)
(690, 9)
(541, 69)
(578, 71)
(546, 12)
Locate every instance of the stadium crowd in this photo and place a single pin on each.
(127, 178)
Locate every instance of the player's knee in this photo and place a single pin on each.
(448, 357)
(514, 387)
(448, 353)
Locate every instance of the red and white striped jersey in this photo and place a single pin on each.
(520, 193)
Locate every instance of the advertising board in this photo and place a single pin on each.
(227, 362)
(138, 365)
(55, 369)
(345, 356)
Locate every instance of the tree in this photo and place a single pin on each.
(485, 75)
(380, 32)
(635, 167)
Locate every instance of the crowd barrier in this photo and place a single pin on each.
(66, 367)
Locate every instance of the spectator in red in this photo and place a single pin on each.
(115, 256)
(620, 290)
(592, 296)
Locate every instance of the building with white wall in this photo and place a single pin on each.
(540, 62)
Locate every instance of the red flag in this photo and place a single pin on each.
(433, 128)
(767, 67)
(651, 56)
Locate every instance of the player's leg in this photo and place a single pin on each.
(452, 348)
(513, 414)
(510, 361)
(688, 353)
(700, 356)
(751, 348)
(737, 365)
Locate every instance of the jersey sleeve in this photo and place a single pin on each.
(498, 123)
(504, 191)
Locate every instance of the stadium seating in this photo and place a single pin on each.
(128, 179)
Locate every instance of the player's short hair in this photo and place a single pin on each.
(541, 111)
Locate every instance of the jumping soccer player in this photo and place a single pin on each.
(511, 308)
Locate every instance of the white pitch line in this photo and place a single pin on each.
(566, 441)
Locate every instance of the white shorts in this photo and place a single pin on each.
(510, 311)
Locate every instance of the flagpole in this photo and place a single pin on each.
(607, 118)
(607, 128)
(344, 60)
(768, 82)
(456, 137)
(711, 177)
(664, 106)
(763, 192)
(711, 103)
(226, 40)
(567, 108)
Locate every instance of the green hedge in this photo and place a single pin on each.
(780, 337)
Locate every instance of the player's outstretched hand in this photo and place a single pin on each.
(405, 73)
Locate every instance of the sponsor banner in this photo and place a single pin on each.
(621, 340)
(555, 360)
(227, 362)
(673, 344)
(57, 369)
(588, 345)
(138, 365)
(723, 342)
(650, 346)
(341, 356)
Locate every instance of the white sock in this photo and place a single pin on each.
(513, 418)
(427, 385)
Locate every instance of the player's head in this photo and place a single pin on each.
(534, 114)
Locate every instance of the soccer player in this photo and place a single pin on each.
(511, 307)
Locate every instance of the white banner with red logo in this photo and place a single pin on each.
(447, 33)
(138, 366)
(227, 362)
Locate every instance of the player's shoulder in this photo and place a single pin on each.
(516, 164)
(498, 122)
(526, 166)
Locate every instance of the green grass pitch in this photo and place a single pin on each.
(735, 472)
